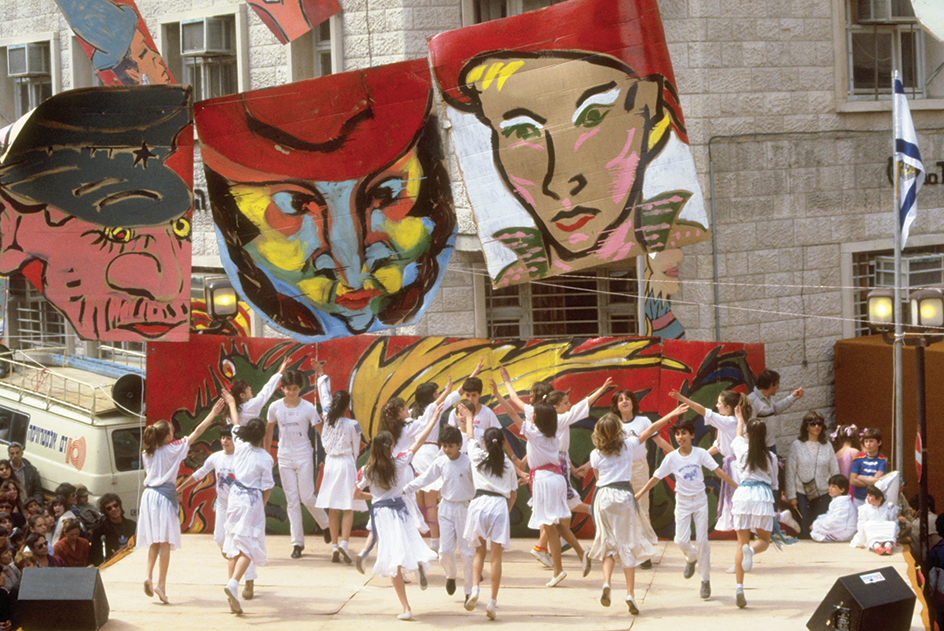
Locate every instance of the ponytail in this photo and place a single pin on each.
(758, 458)
(154, 436)
(380, 468)
(733, 399)
(390, 418)
(339, 404)
(539, 390)
(494, 463)
(424, 395)
(252, 432)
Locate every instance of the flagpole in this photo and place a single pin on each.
(897, 348)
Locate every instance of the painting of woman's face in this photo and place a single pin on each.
(344, 248)
(569, 138)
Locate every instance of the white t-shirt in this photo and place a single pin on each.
(618, 467)
(456, 476)
(689, 477)
(726, 426)
(162, 467)
(484, 419)
(637, 426)
(252, 466)
(404, 475)
(542, 450)
(222, 464)
(293, 427)
(342, 439)
(769, 477)
(484, 480)
(253, 407)
(578, 411)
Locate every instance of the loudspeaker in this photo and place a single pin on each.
(62, 598)
(876, 600)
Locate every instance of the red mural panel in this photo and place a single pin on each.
(375, 369)
(290, 19)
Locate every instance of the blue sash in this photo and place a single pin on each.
(397, 504)
(167, 490)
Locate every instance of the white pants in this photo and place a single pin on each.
(687, 508)
(219, 534)
(298, 482)
(452, 516)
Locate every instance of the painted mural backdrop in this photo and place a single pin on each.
(290, 19)
(117, 41)
(661, 274)
(570, 138)
(95, 208)
(374, 369)
(331, 199)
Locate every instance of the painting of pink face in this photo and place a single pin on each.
(110, 283)
(569, 137)
(662, 272)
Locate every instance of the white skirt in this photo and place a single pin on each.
(488, 520)
(622, 530)
(337, 484)
(399, 543)
(245, 526)
(158, 521)
(875, 532)
(752, 507)
(422, 460)
(549, 492)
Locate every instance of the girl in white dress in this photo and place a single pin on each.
(244, 538)
(623, 532)
(495, 483)
(341, 437)
(752, 504)
(726, 425)
(399, 544)
(246, 407)
(158, 524)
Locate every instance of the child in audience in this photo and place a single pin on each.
(839, 522)
(877, 526)
(868, 467)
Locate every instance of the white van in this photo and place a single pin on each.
(70, 424)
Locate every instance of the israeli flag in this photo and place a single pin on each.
(910, 174)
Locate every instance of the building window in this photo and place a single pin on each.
(584, 304)
(202, 52)
(36, 323)
(318, 52)
(28, 75)
(921, 267)
(487, 10)
(883, 35)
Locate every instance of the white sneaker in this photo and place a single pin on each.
(748, 561)
(490, 610)
(786, 517)
(543, 557)
(473, 598)
(731, 570)
(230, 590)
(554, 582)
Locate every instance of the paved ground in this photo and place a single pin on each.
(313, 594)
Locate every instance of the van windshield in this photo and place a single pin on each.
(127, 444)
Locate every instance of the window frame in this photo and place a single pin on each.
(303, 51)
(8, 94)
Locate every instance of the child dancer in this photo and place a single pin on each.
(488, 522)
(400, 545)
(691, 501)
(622, 533)
(244, 406)
(846, 444)
(158, 525)
(877, 527)
(294, 416)
(244, 541)
(723, 420)
(341, 437)
(453, 470)
(752, 504)
(221, 463)
(839, 522)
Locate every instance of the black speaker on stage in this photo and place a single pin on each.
(62, 598)
(876, 600)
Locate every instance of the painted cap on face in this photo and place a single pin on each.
(628, 30)
(333, 128)
(113, 156)
(107, 26)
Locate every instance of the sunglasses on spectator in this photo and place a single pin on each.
(812, 423)
(111, 507)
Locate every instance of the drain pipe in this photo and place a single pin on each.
(714, 245)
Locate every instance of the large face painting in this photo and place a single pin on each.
(114, 36)
(331, 199)
(570, 138)
(95, 208)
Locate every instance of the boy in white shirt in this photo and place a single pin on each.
(839, 522)
(455, 470)
(691, 501)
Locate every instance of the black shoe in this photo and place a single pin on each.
(336, 556)
(705, 589)
(297, 552)
(424, 583)
(689, 570)
(327, 535)
(646, 565)
(450, 586)
(741, 600)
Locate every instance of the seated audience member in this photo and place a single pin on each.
(38, 546)
(32, 507)
(87, 514)
(877, 526)
(36, 523)
(113, 530)
(839, 522)
(6, 522)
(26, 473)
(71, 549)
(24, 559)
(9, 570)
(8, 506)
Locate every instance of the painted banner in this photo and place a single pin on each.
(374, 369)
(117, 41)
(331, 199)
(290, 19)
(570, 139)
(96, 209)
